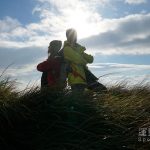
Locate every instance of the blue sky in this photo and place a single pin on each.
(115, 32)
(19, 9)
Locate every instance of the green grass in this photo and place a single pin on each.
(50, 120)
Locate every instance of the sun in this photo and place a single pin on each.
(81, 21)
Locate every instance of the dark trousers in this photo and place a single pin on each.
(78, 88)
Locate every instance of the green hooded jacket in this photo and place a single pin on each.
(78, 60)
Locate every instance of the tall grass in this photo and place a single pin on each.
(48, 120)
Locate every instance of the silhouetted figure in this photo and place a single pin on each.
(78, 59)
(51, 67)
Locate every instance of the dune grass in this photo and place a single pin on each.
(48, 120)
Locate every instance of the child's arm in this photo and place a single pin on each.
(44, 66)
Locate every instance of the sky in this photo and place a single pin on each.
(115, 32)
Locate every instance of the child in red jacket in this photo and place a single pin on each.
(51, 67)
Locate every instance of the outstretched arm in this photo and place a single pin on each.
(88, 58)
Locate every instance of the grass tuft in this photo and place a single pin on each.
(48, 120)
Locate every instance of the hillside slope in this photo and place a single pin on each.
(51, 120)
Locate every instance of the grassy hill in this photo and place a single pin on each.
(50, 120)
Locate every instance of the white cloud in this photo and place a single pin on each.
(135, 1)
(115, 73)
(129, 35)
(76, 13)
(25, 75)
(111, 73)
(120, 66)
(126, 35)
(117, 69)
(8, 24)
(55, 18)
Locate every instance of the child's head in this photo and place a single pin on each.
(71, 35)
(54, 47)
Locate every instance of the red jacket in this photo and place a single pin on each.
(51, 66)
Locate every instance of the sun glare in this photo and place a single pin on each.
(81, 22)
